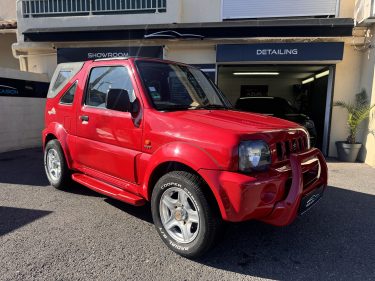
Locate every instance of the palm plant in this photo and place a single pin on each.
(357, 113)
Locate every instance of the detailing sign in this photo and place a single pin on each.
(320, 51)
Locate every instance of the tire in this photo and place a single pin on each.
(57, 170)
(186, 219)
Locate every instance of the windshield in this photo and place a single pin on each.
(179, 87)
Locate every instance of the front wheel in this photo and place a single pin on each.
(184, 217)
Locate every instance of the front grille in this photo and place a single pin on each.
(294, 145)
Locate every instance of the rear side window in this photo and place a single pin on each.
(63, 74)
(61, 78)
(102, 79)
(68, 97)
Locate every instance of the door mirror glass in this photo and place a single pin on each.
(118, 99)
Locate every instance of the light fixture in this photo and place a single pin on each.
(256, 73)
(308, 80)
(322, 74)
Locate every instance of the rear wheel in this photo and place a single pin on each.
(184, 217)
(55, 165)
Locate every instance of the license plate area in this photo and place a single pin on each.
(310, 200)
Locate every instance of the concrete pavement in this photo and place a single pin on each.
(46, 234)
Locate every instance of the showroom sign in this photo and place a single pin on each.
(321, 51)
(84, 54)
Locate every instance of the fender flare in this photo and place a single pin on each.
(179, 152)
(61, 135)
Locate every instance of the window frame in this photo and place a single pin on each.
(74, 84)
(84, 97)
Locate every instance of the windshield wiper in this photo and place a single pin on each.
(172, 108)
(179, 107)
(211, 106)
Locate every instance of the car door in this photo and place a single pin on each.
(107, 140)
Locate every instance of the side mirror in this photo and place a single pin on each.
(118, 99)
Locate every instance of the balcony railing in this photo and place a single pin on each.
(61, 8)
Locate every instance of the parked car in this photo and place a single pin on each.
(278, 107)
(148, 130)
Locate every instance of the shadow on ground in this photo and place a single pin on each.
(14, 218)
(142, 212)
(335, 240)
(23, 167)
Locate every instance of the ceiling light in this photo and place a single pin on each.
(256, 73)
(308, 80)
(322, 74)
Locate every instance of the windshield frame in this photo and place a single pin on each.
(224, 100)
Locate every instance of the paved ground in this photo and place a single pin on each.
(47, 234)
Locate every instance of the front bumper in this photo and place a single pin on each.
(273, 197)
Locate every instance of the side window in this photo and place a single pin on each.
(68, 97)
(102, 79)
(63, 76)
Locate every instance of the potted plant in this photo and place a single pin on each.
(358, 111)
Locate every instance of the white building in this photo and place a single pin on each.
(296, 39)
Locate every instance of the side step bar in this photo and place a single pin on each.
(109, 190)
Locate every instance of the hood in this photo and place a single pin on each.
(218, 132)
(230, 120)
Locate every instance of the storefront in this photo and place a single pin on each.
(301, 73)
(314, 59)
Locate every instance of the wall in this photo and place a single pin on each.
(21, 119)
(173, 15)
(6, 57)
(190, 53)
(21, 122)
(347, 8)
(200, 11)
(347, 84)
(43, 63)
(8, 9)
(368, 83)
(231, 86)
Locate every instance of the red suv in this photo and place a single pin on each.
(142, 130)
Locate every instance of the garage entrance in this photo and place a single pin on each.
(306, 88)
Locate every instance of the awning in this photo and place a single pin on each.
(315, 27)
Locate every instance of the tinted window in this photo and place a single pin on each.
(102, 79)
(68, 97)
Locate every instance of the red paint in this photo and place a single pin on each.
(112, 155)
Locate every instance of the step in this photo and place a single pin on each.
(109, 190)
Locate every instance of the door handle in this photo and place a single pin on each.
(84, 118)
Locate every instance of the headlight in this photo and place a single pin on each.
(254, 155)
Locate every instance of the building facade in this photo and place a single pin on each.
(313, 49)
(21, 113)
(8, 34)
